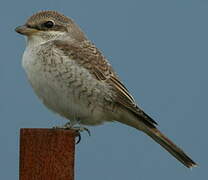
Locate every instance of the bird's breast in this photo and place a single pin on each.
(67, 88)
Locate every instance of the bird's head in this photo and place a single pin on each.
(50, 25)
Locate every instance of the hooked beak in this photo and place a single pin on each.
(25, 30)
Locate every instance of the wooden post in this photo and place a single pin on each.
(47, 154)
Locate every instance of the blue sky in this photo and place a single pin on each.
(159, 49)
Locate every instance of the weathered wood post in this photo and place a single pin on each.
(47, 154)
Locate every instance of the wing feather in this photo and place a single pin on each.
(87, 55)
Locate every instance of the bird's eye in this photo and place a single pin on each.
(49, 24)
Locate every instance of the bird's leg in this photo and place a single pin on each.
(68, 125)
(71, 125)
(81, 128)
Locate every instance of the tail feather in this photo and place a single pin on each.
(160, 138)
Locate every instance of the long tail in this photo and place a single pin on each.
(160, 138)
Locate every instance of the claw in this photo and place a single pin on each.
(81, 129)
(78, 129)
(88, 131)
(79, 137)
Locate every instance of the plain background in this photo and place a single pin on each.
(159, 49)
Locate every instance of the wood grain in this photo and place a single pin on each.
(47, 154)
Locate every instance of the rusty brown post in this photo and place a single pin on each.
(47, 154)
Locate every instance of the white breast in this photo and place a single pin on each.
(64, 99)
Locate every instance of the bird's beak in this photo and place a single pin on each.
(25, 30)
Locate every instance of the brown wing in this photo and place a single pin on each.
(87, 55)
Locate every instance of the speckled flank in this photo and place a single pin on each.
(66, 87)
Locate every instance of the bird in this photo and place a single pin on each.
(74, 79)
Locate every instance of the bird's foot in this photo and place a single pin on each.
(81, 129)
(78, 129)
(68, 125)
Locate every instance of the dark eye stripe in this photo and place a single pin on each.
(46, 26)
